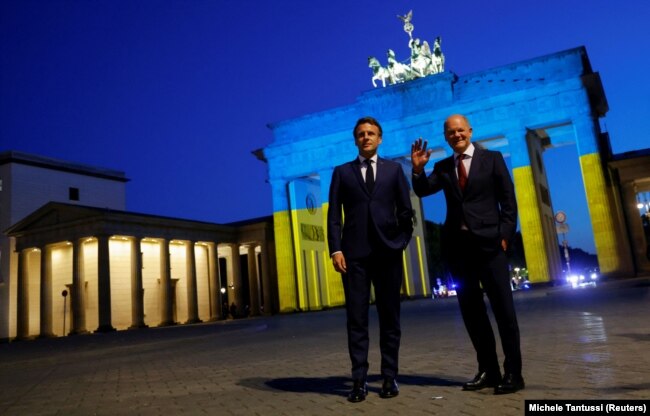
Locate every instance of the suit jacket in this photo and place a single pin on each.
(387, 209)
(487, 206)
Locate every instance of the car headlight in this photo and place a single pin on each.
(573, 279)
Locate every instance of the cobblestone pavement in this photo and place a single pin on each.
(591, 343)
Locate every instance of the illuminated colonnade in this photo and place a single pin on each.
(167, 274)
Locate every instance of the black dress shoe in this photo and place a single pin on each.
(510, 384)
(359, 391)
(482, 380)
(389, 388)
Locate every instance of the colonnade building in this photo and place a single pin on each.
(74, 261)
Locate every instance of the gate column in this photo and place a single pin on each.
(529, 210)
(611, 247)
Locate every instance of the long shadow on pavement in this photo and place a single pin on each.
(338, 385)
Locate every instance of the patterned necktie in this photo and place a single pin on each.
(370, 175)
(462, 173)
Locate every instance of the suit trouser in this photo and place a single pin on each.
(488, 268)
(384, 270)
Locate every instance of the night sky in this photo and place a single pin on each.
(177, 94)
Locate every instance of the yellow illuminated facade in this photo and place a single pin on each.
(530, 221)
(602, 213)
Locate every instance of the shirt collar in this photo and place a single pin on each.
(373, 158)
(469, 151)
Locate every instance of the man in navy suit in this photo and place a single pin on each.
(481, 220)
(369, 224)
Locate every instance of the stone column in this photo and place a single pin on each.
(612, 247)
(166, 306)
(78, 289)
(268, 290)
(137, 290)
(46, 293)
(104, 284)
(235, 293)
(22, 312)
(253, 281)
(529, 210)
(192, 296)
(635, 226)
(331, 284)
(284, 247)
(215, 283)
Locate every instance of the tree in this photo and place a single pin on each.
(579, 259)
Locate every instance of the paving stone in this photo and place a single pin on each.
(591, 343)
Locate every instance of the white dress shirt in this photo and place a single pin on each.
(364, 167)
(469, 154)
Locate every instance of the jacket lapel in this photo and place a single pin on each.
(475, 168)
(450, 169)
(380, 176)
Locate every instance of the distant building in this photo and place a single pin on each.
(67, 233)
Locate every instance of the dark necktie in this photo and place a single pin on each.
(462, 173)
(370, 175)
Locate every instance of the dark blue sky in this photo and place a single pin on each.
(178, 93)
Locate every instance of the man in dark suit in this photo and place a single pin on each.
(481, 220)
(369, 223)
